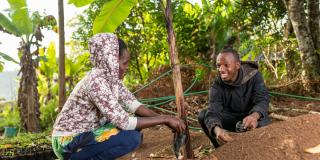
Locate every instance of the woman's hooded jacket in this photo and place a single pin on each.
(100, 96)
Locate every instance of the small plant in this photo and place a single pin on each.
(9, 116)
(25, 143)
(48, 114)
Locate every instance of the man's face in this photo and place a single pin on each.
(228, 67)
(124, 64)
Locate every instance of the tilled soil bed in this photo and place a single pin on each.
(278, 141)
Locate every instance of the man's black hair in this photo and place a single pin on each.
(232, 51)
(122, 47)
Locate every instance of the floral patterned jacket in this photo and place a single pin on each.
(100, 96)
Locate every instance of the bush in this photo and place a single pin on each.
(48, 114)
(9, 116)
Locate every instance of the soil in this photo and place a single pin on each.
(157, 144)
(278, 141)
(285, 102)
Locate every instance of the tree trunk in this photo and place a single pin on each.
(138, 65)
(314, 22)
(49, 95)
(28, 98)
(187, 151)
(212, 50)
(62, 78)
(309, 58)
(290, 54)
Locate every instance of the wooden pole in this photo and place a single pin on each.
(62, 79)
(187, 150)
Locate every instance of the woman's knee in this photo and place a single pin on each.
(134, 139)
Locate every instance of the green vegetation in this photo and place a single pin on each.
(9, 115)
(25, 144)
(261, 30)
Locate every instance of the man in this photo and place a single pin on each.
(238, 94)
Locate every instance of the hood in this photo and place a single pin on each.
(104, 53)
(249, 69)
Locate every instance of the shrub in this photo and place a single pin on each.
(48, 114)
(9, 116)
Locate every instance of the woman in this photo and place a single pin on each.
(94, 122)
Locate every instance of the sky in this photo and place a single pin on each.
(9, 43)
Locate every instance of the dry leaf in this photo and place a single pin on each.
(7, 146)
(313, 150)
(152, 155)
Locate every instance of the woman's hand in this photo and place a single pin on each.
(175, 123)
(172, 122)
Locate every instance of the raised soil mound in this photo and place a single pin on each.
(278, 141)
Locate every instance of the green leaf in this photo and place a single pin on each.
(112, 15)
(8, 25)
(8, 58)
(1, 66)
(80, 3)
(20, 16)
(49, 66)
(43, 58)
(205, 4)
(51, 51)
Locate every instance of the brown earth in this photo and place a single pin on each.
(279, 141)
(157, 144)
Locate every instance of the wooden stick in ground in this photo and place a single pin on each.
(279, 117)
(187, 150)
(296, 110)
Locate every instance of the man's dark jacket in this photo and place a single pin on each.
(245, 96)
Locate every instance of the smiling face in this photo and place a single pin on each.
(123, 63)
(228, 67)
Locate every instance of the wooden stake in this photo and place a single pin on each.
(295, 110)
(279, 117)
(188, 153)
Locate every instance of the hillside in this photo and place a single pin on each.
(9, 85)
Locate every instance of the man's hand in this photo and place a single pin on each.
(175, 124)
(251, 121)
(221, 135)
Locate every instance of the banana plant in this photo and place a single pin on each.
(76, 68)
(112, 14)
(48, 68)
(5, 57)
(27, 27)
